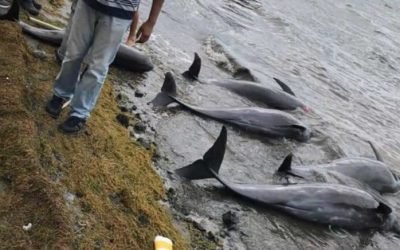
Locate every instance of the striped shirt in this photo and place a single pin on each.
(118, 8)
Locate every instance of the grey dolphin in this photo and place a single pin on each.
(272, 97)
(323, 203)
(127, 57)
(374, 173)
(272, 123)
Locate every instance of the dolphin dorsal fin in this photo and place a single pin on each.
(284, 87)
(376, 152)
(194, 69)
(215, 155)
(169, 85)
(209, 166)
(167, 90)
(286, 165)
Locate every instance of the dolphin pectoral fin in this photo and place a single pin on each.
(376, 152)
(209, 166)
(299, 127)
(284, 87)
(194, 69)
(302, 128)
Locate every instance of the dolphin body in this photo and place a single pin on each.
(127, 57)
(284, 99)
(272, 123)
(374, 173)
(323, 203)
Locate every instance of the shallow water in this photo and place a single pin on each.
(339, 57)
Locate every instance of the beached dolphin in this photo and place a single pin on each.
(127, 57)
(276, 98)
(324, 203)
(272, 123)
(374, 173)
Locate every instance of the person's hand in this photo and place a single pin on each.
(131, 41)
(144, 32)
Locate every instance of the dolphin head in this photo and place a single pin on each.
(302, 133)
(396, 185)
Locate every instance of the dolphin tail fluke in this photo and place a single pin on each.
(376, 152)
(284, 87)
(168, 90)
(209, 166)
(194, 69)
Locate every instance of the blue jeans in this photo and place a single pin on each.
(63, 47)
(96, 37)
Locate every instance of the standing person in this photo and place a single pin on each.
(97, 29)
(60, 52)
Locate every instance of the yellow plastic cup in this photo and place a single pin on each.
(162, 243)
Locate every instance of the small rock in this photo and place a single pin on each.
(144, 142)
(123, 119)
(122, 98)
(134, 107)
(116, 198)
(139, 93)
(156, 155)
(171, 192)
(140, 127)
(143, 220)
(40, 54)
(123, 109)
(230, 219)
(212, 236)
